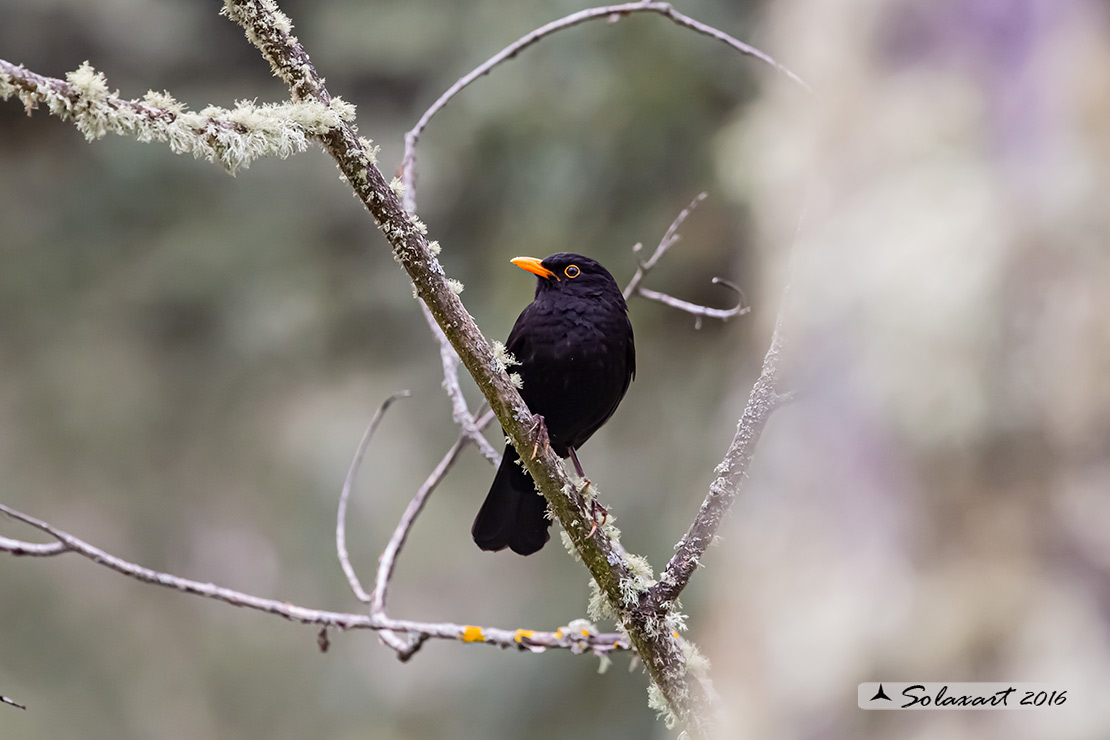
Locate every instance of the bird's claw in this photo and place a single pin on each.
(595, 508)
(539, 430)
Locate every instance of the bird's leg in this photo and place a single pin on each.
(539, 425)
(578, 469)
(595, 507)
(578, 466)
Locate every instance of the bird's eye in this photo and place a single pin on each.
(572, 271)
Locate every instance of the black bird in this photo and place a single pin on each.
(574, 345)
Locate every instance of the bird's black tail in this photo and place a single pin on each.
(513, 514)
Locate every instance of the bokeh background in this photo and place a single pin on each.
(187, 361)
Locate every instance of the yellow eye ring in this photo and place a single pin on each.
(572, 271)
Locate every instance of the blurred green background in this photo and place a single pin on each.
(187, 361)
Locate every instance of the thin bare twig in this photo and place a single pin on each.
(460, 411)
(576, 640)
(15, 704)
(670, 238)
(408, 176)
(406, 649)
(698, 310)
(33, 549)
(345, 494)
(408, 518)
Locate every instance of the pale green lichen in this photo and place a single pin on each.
(663, 710)
(568, 544)
(516, 380)
(371, 149)
(343, 109)
(455, 286)
(282, 22)
(697, 665)
(502, 358)
(640, 579)
(397, 187)
(599, 608)
(674, 621)
(434, 248)
(233, 137)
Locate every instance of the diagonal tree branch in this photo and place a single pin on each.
(732, 471)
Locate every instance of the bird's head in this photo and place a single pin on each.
(567, 271)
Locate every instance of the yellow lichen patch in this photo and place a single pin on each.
(675, 634)
(523, 635)
(559, 634)
(471, 633)
(585, 633)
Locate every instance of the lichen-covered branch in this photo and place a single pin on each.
(732, 471)
(576, 637)
(233, 138)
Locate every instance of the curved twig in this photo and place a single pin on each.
(345, 494)
(32, 549)
(408, 518)
(406, 649)
(698, 310)
(408, 161)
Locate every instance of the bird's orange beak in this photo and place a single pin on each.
(532, 265)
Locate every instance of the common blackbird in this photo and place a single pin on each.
(576, 354)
